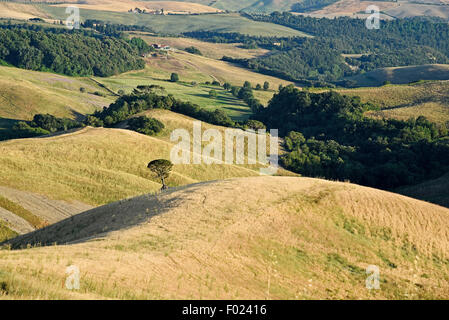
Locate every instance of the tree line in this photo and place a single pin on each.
(144, 97)
(73, 53)
(327, 135)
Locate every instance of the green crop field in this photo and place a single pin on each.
(195, 93)
(176, 24)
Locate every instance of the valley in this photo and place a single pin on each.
(362, 119)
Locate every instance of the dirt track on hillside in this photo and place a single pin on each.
(15, 222)
(43, 207)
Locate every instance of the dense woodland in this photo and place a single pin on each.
(399, 42)
(73, 53)
(327, 135)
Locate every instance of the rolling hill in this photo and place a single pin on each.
(389, 9)
(253, 238)
(54, 177)
(403, 75)
(177, 24)
(434, 191)
(24, 93)
(99, 165)
(426, 98)
(169, 7)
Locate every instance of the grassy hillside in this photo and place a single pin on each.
(405, 101)
(6, 232)
(196, 93)
(102, 165)
(176, 24)
(389, 9)
(259, 238)
(402, 75)
(422, 8)
(21, 11)
(176, 7)
(24, 93)
(208, 49)
(193, 68)
(249, 5)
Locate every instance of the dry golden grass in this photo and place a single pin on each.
(352, 7)
(20, 11)
(177, 7)
(429, 99)
(194, 67)
(210, 50)
(435, 112)
(24, 93)
(254, 238)
(98, 165)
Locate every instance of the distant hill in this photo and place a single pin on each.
(249, 5)
(24, 93)
(434, 191)
(251, 238)
(425, 98)
(101, 165)
(403, 75)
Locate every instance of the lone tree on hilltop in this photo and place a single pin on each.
(161, 168)
(174, 77)
(266, 85)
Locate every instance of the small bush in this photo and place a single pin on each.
(145, 125)
(174, 77)
(100, 94)
(193, 50)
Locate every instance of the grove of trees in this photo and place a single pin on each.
(327, 135)
(73, 53)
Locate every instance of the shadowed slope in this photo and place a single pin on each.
(261, 237)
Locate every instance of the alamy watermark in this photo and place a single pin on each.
(373, 20)
(191, 151)
(73, 21)
(72, 282)
(373, 280)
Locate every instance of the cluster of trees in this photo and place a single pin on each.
(43, 124)
(127, 105)
(145, 125)
(74, 53)
(114, 30)
(247, 40)
(193, 50)
(246, 94)
(144, 97)
(327, 135)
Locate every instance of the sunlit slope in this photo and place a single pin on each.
(20, 11)
(171, 7)
(429, 99)
(180, 23)
(23, 93)
(196, 69)
(261, 237)
(98, 165)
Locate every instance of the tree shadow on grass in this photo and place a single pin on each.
(98, 222)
